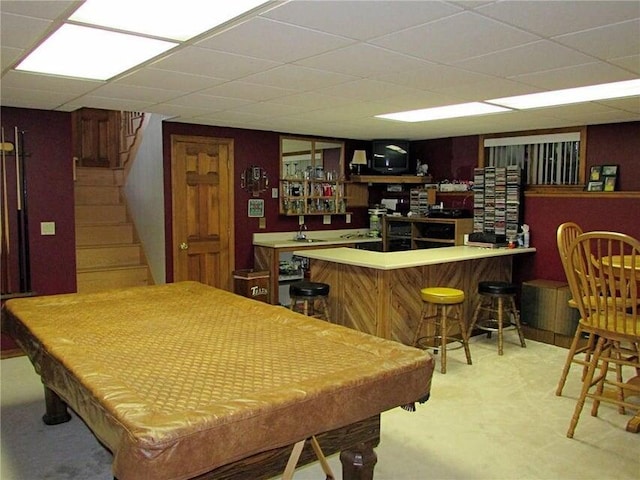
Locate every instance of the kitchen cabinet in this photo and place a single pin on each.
(410, 233)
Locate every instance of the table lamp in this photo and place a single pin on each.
(359, 158)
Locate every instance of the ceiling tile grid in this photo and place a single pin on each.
(327, 67)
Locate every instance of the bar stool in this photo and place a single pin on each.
(448, 303)
(306, 297)
(498, 298)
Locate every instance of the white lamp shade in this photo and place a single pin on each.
(359, 157)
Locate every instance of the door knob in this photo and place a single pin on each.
(184, 246)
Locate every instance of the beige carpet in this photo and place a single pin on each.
(496, 419)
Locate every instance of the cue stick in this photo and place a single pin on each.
(4, 253)
(23, 226)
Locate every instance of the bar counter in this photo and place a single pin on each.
(379, 292)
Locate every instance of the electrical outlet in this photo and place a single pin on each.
(326, 219)
(347, 218)
(274, 193)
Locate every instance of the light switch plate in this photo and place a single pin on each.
(326, 219)
(274, 193)
(47, 228)
(348, 218)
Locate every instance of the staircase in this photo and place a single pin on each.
(108, 254)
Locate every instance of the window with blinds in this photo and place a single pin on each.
(553, 159)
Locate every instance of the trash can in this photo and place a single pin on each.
(252, 284)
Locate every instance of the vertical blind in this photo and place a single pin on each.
(544, 159)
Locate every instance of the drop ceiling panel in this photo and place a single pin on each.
(247, 91)
(67, 87)
(134, 92)
(563, 16)
(29, 98)
(40, 9)
(271, 40)
(20, 32)
(167, 79)
(298, 78)
(534, 57)
(456, 38)
(210, 63)
(433, 76)
(362, 60)
(612, 41)
(360, 20)
(631, 63)
(575, 76)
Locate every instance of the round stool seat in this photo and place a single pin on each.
(442, 295)
(308, 289)
(497, 288)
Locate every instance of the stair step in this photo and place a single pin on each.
(94, 214)
(89, 281)
(87, 235)
(97, 195)
(108, 256)
(98, 176)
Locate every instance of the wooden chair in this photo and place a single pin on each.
(603, 270)
(566, 233)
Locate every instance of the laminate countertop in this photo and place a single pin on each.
(314, 238)
(407, 258)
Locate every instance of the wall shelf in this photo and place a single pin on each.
(411, 179)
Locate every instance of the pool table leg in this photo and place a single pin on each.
(358, 462)
(56, 409)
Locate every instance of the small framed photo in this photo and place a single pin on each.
(256, 207)
(595, 186)
(609, 170)
(609, 183)
(596, 173)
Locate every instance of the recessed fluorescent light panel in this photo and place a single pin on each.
(75, 51)
(170, 19)
(439, 113)
(567, 96)
(128, 33)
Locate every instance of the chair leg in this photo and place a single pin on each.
(586, 384)
(569, 361)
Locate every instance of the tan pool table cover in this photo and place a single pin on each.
(181, 378)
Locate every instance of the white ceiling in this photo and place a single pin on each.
(327, 67)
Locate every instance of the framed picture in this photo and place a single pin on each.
(609, 183)
(596, 172)
(609, 177)
(595, 186)
(256, 207)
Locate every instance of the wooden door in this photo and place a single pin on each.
(96, 137)
(202, 183)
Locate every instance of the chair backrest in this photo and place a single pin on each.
(603, 270)
(565, 234)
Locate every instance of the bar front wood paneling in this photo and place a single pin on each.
(387, 302)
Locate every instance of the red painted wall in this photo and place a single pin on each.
(251, 148)
(49, 175)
